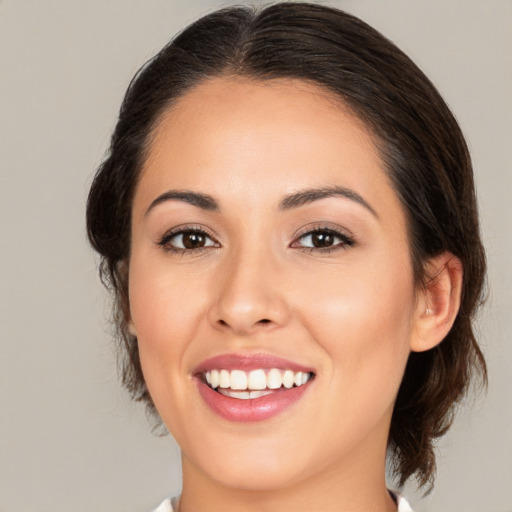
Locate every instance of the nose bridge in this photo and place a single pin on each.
(249, 295)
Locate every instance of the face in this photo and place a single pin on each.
(269, 250)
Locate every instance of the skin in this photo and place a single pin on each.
(353, 313)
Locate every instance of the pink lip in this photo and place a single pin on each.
(256, 409)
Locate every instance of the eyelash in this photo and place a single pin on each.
(346, 241)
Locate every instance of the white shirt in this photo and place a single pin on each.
(403, 504)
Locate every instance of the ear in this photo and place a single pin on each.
(123, 270)
(438, 302)
(131, 328)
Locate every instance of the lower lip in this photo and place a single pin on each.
(253, 409)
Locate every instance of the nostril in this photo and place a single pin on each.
(243, 324)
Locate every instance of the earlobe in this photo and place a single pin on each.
(438, 302)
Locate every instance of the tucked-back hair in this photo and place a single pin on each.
(420, 144)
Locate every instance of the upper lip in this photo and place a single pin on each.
(249, 362)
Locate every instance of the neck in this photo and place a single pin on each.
(357, 485)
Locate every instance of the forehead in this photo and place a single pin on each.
(251, 138)
(286, 109)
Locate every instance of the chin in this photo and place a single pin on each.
(257, 477)
(251, 467)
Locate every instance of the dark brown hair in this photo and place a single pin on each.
(418, 138)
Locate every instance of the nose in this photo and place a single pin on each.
(249, 296)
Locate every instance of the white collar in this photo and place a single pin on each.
(403, 504)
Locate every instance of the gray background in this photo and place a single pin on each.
(70, 440)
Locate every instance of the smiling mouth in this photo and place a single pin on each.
(253, 384)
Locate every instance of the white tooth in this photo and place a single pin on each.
(214, 377)
(244, 395)
(258, 394)
(288, 379)
(257, 379)
(241, 395)
(298, 379)
(238, 379)
(274, 379)
(208, 378)
(224, 379)
(305, 377)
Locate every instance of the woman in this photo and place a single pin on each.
(288, 223)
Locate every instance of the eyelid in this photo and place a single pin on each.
(323, 226)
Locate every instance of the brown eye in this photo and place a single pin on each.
(193, 240)
(187, 240)
(324, 239)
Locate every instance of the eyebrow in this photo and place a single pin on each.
(203, 201)
(311, 195)
(295, 200)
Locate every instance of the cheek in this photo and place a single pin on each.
(163, 306)
(363, 321)
(166, 313)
